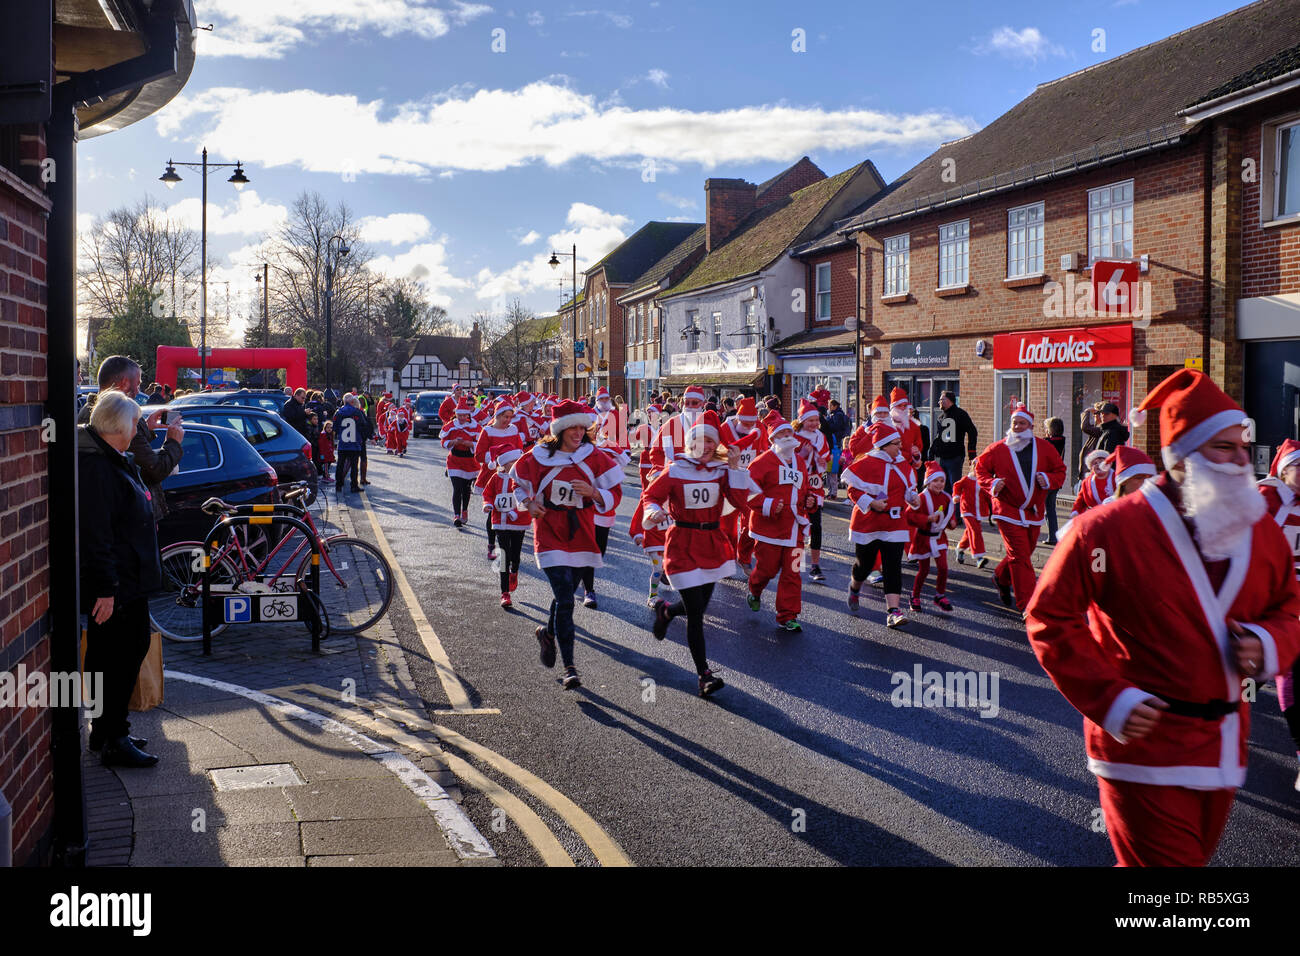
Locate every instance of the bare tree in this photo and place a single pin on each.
(515, 343)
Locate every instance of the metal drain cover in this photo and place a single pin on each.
(261, 775)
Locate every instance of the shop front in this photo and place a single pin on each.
(923, 369)
(1269, 330)
(642, 379)
(1082, 367)
(722, 372)
(834, 371)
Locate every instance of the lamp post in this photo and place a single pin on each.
(343, 250)
(239, 181)
(573, 301)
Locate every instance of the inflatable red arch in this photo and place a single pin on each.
(171, 358)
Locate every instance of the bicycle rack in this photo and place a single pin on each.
(226, 604)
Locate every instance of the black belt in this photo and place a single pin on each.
(1212, 710)
(699, 525)
(462, 453)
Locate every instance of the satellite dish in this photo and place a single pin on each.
(851, 323)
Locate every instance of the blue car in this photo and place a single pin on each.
(281, 445)
(270, 400)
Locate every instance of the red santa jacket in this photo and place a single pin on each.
(488, 436)
(697, 549)
(1092, 493)
(500, 503)
(1285, 509)
(875, 476)
(650, 540)
(565, 534)
(460, 461)
(775, 481)
(1021, 501)
(911, 432)
(1125, 610)
(928, 539)
(668, 442)
(447, 410)
(973, 500)
(751, 444)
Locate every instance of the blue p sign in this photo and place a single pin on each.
(239, 610)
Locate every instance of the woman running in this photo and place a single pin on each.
(500, 428)
(459, 438)
(816, 454)
(508, 519)
(697, 553)
(561, 481)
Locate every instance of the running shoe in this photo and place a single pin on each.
(571, 679)
(853, 601)
(961, 556)
(982, 563)
(514, 580)
(710, 684)
(753, 601)
(492, 554)
(590, 600)
(547, 641)
(792, 625)
(662, 619)
(505, 599)
(1004, 592)
(653, 598)
(916, 605)
(875, 579)
(816, 573)
(895, 618)
(457, 523)
(942, 602)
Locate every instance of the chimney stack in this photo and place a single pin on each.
(727, 202)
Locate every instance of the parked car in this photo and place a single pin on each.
(496, 392)
(283, 447)
(426, 413)
(217, 462)
(268, 399)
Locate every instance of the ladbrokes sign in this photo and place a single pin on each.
(1101, 346)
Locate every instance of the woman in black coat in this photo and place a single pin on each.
(119, 569)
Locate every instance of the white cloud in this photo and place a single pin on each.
(394, 229)
(620, 20)
(545, 121)
(681, 202)
(257, 29)
(535, 18)
(426, 263)
(658, 77)
(249, 215)
(530, 237)
(1026, 44)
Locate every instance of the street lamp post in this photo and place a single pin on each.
(573, 301)
(239, 181)
(343, 250)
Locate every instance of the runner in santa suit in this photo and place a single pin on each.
(524, 421)
(390, 430)
(608, 440)
(816, 454)
(651, 541)
(1151, 614)
(929, 518)
(499, 429)
(459, 438)
(1017, 472)
(697, 553)
(405, 417)
(669, 440)
(879, 485)
(381, 417)
(741, 431)
(859, 443)
(1281, 491)
(900, 411)
(744, 543)
(1129, 468)
(447, 410)
(778, 515)
(509, 520)
(976, 506)
(643, 436)
(558, 481)
(1096, 486)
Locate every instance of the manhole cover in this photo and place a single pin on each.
(262, 775)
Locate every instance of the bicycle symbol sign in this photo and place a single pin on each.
(276, 608)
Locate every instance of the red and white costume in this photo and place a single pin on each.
(610, 442)
(460, 438)
(488, 436)
(642, 438)
(565, 533)
(670, 440)
(742, 431)
(859, 443)
(501, 505)
(875, 476)
(778, 515)
(975, 506)
(447, 410)
(930, 540)
(1283, 503)
(1093, 490)
(900, 410)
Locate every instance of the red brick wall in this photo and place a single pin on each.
(1270, 258)
(1169, 226)
(25, 763)
(844, 277)
(726, 202)
(801, 174)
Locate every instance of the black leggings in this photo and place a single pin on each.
(460, 494)
(815, 530)
(694, 601)
(891, 563)
(589, 574)
(512, 542)
(492, 535)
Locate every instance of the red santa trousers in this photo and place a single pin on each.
(973, 538)
(923, 571)
(774, 559)
(402, 437)
(745, 547)
(1150, 825)
(1016, 569)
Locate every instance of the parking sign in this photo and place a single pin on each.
(239, 610)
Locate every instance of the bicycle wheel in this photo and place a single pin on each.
(320, 506)
(176, 611)
(358, 590)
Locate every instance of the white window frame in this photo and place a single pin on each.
(1273, 175)
(1096, 249)
(898, 265)
(751, 321)
(715, 326)
(819, 290)
(692, 322)
(1021, 257)
(954, 254)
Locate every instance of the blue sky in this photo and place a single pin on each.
(469, 163)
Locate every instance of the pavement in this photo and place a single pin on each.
(259, 764)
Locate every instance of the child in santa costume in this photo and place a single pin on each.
(929, 518)
(607, 440)
(643, 436)
(560, 481)
(1096, 486)
(405, 417)
(975, 506)
(1152, 612)
(880, 487)
(460, 437)
(1281, 491)
(651, 541)
(697, 553)
(742, 431)
(778, 515)
(501, 429)
(509, 520)
(1129, 468)
(815, 451)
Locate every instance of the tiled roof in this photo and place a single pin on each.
(819, 340)
(1122, 106)
(663, 268)
(1280, 64)
(641, 250)
(449, 349)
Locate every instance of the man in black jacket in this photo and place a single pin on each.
(952, 429)
(294, 412)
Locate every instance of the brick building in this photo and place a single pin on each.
(977, 262)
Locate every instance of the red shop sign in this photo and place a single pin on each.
(1099, 346)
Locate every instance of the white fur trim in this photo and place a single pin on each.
(1200, 433)
(1020, 413)
(707, 431)
(1137, 417)
(1287, 462)
(585, 419)
(1121, 707)
(1141, 468)
(1269, 664)
(1093, 456)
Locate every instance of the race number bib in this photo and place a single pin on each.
(504, 503)
(815, 480)
(700, 494)
(790, 476)
(563, 495)
(746, 458)
(1293, 535)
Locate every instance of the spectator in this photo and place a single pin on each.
(168, 392)
(156, 396)
(1113, 431)
(350, 437)
(954, 429)
(121, 374)
(1055, 433)
(294, 411)
(728, 407)
(119, 569)
(312, 434)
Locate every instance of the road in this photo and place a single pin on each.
(803, 759)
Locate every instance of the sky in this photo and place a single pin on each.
(472, 139)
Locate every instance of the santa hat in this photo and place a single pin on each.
(1128, 462)
(501, 405)
(523, 398)
(505, 453)
(1192, 411)
(464, 407)
(897, 397)
(693, 391)
(568, 413)
(880, 407)
(1287, 455)
(933, 470)
(882, 433)
(602, 392)
(1092, 456)
(807, 410)
(1020, 411)
(775, 425)
(746, 411)
(772, 419)
(705, 426)
(457, 387)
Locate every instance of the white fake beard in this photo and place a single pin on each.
(899, 419)
(604, 405)
(1223, 502)
(741, 428)
(1018, 440)
(784, 446)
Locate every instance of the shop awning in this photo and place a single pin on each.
(734, 379)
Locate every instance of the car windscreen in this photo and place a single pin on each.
(428, 404)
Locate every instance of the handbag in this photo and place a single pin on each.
(148, 691)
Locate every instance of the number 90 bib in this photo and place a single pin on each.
(700, 494)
